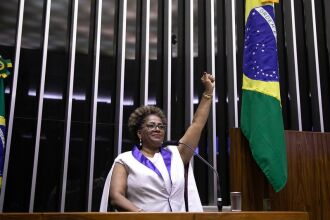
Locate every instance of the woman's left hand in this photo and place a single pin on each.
(208, 82)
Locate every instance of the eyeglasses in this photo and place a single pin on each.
(153, 126)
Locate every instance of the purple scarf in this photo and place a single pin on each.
(166, 154)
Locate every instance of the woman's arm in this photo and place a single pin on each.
(118, 190)
(193, 133)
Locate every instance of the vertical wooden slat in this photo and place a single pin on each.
(145, 52)
(13, 99)
(296, 74)
(317, 67)
(210, 66)
(293, 70)
(231, 64)
(221, 105)
(313, 66)
(120, 71)
(96, 63)
(68, 110)
(189, 61)
(167, 63)
(40, 104)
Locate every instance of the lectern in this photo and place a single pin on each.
(308, 185)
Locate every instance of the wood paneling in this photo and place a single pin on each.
(308, 186)
(244, 173)
(253, 216)
(158, 216)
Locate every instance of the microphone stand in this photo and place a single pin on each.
(219, 199)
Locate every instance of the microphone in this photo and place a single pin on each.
(219, 198)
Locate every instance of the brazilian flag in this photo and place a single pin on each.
(4, 65)
(261, 112)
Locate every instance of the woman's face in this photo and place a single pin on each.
(152, 132)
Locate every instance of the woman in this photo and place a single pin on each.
(150, 177)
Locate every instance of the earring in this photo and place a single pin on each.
(140, 142)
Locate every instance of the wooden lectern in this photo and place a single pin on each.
(157, 216)
(308, 185)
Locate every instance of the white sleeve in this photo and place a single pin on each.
(105, 194)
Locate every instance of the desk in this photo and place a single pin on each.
(157, 216)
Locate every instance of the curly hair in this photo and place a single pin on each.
(137, 118)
